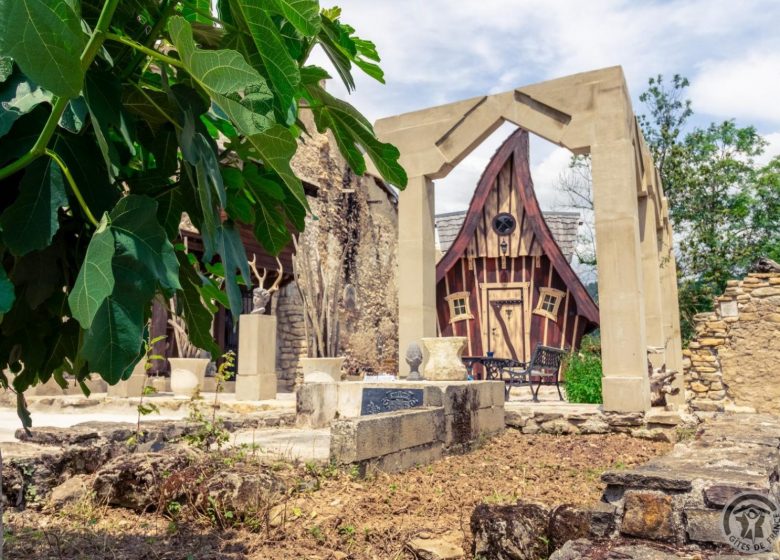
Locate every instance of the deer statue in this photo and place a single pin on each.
(261, 295)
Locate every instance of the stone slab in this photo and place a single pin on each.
(372, 437)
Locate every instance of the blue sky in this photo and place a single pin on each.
(439, 51)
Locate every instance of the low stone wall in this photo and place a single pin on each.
(735, 356)
(577, 419)
(679, 498)
(454, 416)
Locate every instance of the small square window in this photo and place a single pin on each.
(459, 306)
(549, 301)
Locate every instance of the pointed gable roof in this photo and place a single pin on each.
(516, 148)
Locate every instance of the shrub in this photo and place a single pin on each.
(583, 373)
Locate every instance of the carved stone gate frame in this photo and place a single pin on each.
(588, 113)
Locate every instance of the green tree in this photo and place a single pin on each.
(116, 117)
(724, 207)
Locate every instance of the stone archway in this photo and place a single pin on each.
(586, 113)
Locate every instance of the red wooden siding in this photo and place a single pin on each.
(532, 261)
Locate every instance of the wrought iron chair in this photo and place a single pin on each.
(545, 364)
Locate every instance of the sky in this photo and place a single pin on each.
(440, 51)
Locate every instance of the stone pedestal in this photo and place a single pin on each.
(133, 386)
(256, 379)
(443, 362)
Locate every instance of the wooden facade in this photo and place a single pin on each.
(504, 282)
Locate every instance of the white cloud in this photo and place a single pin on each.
(744, 86)
(546, 176)
(772, 149)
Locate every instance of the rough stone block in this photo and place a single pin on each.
(465, 426)
(516, 532)
(703, 525)
(403, 459)
(316, 404)
(256, 387)
(371, 437)
(718, 495)
(648, 515)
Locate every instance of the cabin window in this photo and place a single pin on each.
(504, 224)
(549, 301)
(459, 306)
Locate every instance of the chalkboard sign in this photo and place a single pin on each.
(376, 401)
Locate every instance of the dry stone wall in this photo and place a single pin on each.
(348, 210)
(734, 360)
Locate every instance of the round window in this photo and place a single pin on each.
(504, 224)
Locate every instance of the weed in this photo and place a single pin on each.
(582, 371)
(145, 409)
(316, 532)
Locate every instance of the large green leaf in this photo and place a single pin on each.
(135, 227)
(234, 86)
(7, 295)
(193, 10)
(103, 96)
(19, 96)
(31, 221)
(95, 281)
(281, 68)
(303, 14)
(113, 344)
(275, 147)
(45, 38)
(352, 132)
(231, 251)
(191, 308)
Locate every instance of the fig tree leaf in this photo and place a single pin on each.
(236, 88)
(19, 96)
(352, 132)
(135, 227)
(304, 15)
(45, 38)
(95, 281)
(197, 317)
(275, 147)
(31, 221)
(7, 295)
(282, 70)
(231, 251)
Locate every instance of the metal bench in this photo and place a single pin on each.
(545, 364)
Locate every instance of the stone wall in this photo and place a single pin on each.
(348, 210)
(734, 360)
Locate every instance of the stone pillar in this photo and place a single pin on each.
(625, 386)
(671, 317)
(651, 279)
(256, 379)
(416, 266)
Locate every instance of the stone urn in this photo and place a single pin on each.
(444, 363)
(187, 375)
(322, 370)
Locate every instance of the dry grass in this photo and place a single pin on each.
(330, 513)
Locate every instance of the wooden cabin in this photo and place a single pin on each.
(504, 282)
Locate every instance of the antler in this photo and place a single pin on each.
(278, 280)
(253, 265)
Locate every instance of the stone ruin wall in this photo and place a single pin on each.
(734, 360)
(346, 207)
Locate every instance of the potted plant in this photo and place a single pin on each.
(319, 284)
(188, 370)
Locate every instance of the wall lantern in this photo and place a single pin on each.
(504, 247)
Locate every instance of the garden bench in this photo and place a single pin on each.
(545, 364)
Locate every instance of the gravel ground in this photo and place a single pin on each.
(331, 514)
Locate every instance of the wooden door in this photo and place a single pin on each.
(504, 320)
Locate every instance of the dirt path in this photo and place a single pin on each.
(333, 514)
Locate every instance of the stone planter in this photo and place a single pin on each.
(444, 363)
(322, 370)
(187, 375)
